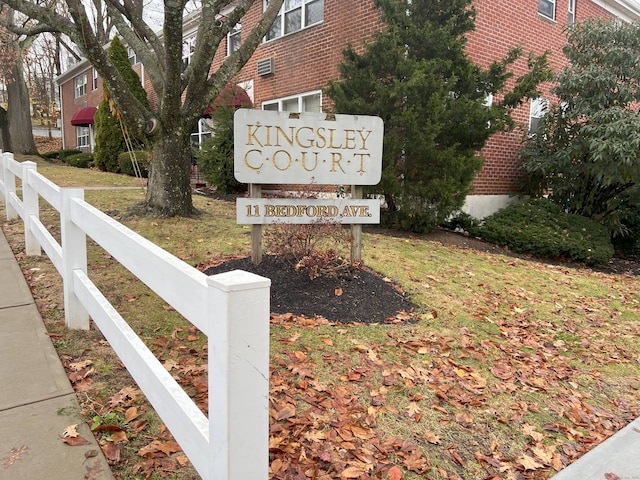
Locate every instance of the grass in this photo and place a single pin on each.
(506, 355)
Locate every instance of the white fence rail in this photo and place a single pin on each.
(232, 309)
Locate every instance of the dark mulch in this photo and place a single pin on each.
(362, 296)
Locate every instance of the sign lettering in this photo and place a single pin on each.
(261, 211)
(272, 147)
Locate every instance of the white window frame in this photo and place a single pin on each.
(83, 134)
(94, 80)
(537, 111)
(133, 57)
(543, 6)
(278, 29)
(188, 48)
(277, 104)
(203, 130)
(80, 84)
(571, 19)
(235, 35)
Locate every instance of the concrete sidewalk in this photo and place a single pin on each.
(37, 401)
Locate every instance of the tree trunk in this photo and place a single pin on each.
(19, 111)
(169, 189)
(5, 138)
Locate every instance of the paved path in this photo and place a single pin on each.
(37, 401)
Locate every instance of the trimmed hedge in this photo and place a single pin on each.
(541, 228)
(126, 167)
(80, 160)
(67, 152)
(51, 155)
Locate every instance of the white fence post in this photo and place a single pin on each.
(31, 210)
(74, 257)
(9, 186)
(239, 376)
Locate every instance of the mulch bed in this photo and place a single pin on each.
(361, 296)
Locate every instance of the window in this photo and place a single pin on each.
(82, 136)
(94, 82)
(538, 110)
(547, 8)
(572, 12)
(133, 58)
(234, 39)
(201, 133)
(81, 85)
(188, 47)
(296, 15)
(308, 102)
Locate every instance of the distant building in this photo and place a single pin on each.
(303, 49)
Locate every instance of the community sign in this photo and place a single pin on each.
(307, 148)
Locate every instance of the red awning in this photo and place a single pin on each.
(84, 116)
(230, 96)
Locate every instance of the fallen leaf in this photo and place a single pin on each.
(352, 472)
(112, 453)
(394, 473)
(71, 431)
(338, 292)
(75, 441)
(90, 453)
(431, 437)
(529, 463)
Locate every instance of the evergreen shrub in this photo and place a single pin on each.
(215, 158)
(628, 244)
(54, 154)
(80, 160)
(66, 152)
(141, 157)
(541, 228)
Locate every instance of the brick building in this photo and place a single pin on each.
(302, 51)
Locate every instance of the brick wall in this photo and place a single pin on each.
(71, 104)
(306, 60)
(501, 25)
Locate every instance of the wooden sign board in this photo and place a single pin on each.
(307, 148)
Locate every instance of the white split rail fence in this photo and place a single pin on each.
(231, 308)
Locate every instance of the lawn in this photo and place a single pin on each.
(510, 368)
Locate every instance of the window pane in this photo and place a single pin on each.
(546, 8)
(290, 4)
(270, 106)
(293, 21)
(311, 103)
(234, 42)
(290, 105)
(275, 30)
(314, 12)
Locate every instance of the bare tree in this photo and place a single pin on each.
(41, 67)
(183, 95)
(18, 115)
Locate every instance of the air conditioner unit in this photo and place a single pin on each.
(265, 66)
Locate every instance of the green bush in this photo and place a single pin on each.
(126, 166)
(541, 228)
(628, 244)
(66, 152)
(51, 155)
(80, 160)
(215, 158)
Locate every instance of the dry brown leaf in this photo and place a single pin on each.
(71, 431)
(352, 472)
